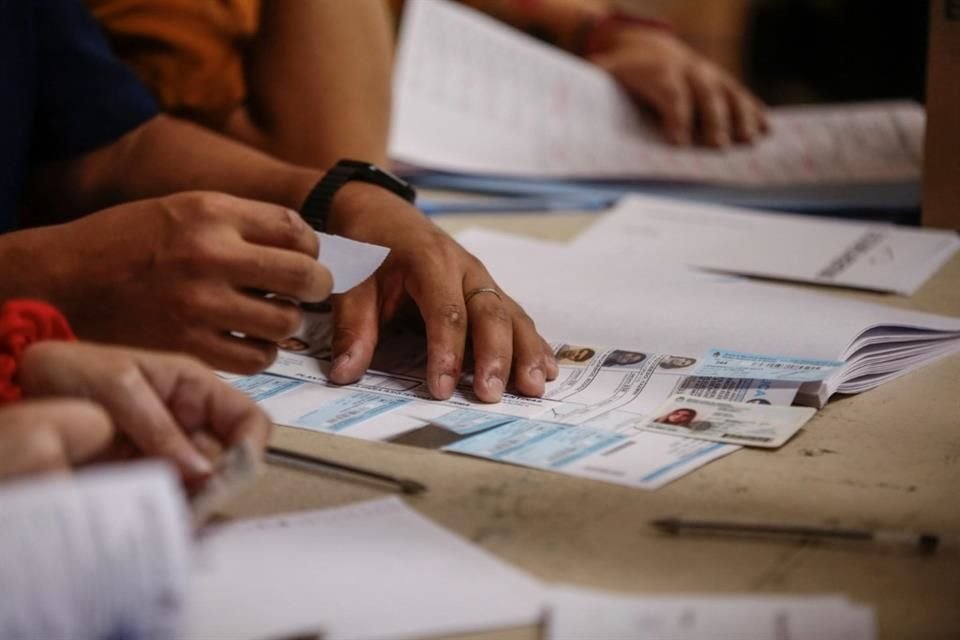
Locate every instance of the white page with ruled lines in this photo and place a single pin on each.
(474, 95)
(99, 554)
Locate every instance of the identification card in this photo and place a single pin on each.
(719, 363)
(743, 423)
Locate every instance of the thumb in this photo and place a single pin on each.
(356, 317)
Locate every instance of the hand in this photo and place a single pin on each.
(41, 436)
(683, 88)
(162, 405)
(183, 273)
(427, 265)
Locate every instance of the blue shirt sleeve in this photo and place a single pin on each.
(86, 97)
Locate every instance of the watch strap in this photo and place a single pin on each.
(316, 208)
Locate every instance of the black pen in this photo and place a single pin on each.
(922, 542)
(277, 454)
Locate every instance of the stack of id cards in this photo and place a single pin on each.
(743, 423)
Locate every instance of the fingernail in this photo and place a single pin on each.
(495, 385)
(341, 360)
(445, 385)
(722, 139)
(537, 376)
(198, 465)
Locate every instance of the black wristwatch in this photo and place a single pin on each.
(316, 208)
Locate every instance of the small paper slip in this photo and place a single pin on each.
(745, 423)
(718, 363)
(238, 470)
(577, 613)
(350, 262)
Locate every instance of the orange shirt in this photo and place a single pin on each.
(189, 52)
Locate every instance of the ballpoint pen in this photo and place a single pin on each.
(277, 454)
(922, 542)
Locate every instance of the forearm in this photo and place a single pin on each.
(166, 156)
(319, 76)
(560, 22)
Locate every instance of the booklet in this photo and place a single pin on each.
(641, 302)
(472, 95)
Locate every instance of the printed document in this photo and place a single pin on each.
(472, 95)
(637, 301)
(881, 257)
(589, 422)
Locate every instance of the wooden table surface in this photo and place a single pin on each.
(887, 458)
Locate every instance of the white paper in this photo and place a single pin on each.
(638, 302)
(577, 613)
(375, 570)
(473, 95)
(350, 262)
(882, 257)
(102, 554)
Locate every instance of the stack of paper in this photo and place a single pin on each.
(103, 554)
(579, 613)
(475, 96)
(875, 256)
(637, 303)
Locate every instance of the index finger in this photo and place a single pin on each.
(273, 226)
(199, 401)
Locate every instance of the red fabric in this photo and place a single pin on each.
(23, 322)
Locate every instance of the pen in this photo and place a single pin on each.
(922, 542)
(277, 454)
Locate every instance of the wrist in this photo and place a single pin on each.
(348, 190)
(601, 32)
(358, 207)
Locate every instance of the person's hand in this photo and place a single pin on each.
(695, 99)
(41, 436)
(429, 267)
(182, 273)
(161, 405)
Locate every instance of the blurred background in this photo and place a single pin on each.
(794, 51)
